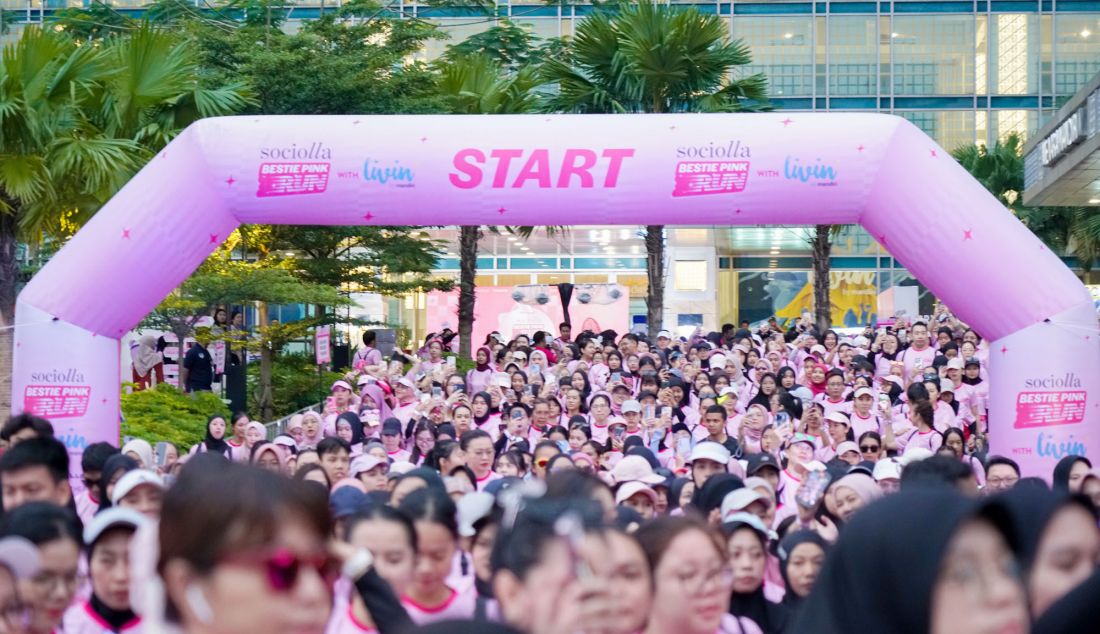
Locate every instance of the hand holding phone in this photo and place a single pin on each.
(813, 487)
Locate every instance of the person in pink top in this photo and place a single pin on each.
(800, 452)
(405, 400)
(864, 418)
(832, 399)
(478, 379)
(107, 538)
(393, 441)
(919, 355)
(925, 435)
(480, 456)
(428, 598)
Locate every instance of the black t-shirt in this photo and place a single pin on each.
(201, 368)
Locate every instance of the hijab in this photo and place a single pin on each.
(144, 451)
(356, 426)
(1030, 511)
(709, 496)
(430, 477)
(674, 491)
(772, 618)
(114, 465)
(146, 356)
(484, 367)
(481, 420)
(818, 388)
(880, 575)
(378, 397)
(863, 485)
(1061, 471)
(265, 446)
(215, 445)
(1077, 611)
(311, 441)
(786, 547)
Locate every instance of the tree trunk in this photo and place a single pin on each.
(822, 248)
(9, 282)
(467, 255)
(265, 402)
(655, 274)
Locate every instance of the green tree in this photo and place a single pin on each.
(80, 118)
(655, 58)
(1000, 169)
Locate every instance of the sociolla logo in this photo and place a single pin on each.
(313, 152)
(818, 173)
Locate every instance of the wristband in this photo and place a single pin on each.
(357, 565)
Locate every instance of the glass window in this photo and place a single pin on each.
(933, 55)
(1077, 50)
(853, 55)
(691, 275)
(1014, 54)
(1022, 122)
(457, 30)
(782, 48)
(950, 128)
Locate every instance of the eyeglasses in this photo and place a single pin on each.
(283, 566)
(868, 448)
(694, 582)
(92, 483)
(47, 581)
(997, 483)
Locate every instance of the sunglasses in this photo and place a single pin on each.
(283, 566)
(542, 462)
(868, 448)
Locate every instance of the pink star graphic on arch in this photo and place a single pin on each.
(786, 122)
(368, 216)
(737, 211)
(860, 148)
(501, 211)
(881, 239)
(933, 153)
(229, 181)
(1004, 349)
(423, 139)
(213, 238)
(968, 234)
(125, 234)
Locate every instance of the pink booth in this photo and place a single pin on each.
(722, 169)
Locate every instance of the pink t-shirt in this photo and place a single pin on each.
(831, 406)
(481, 482)
(910, 356)
(80, 618)
(86, 507)
(343, 621)
(861, 425)
(930, 440)
(460, 605)
(731, 624)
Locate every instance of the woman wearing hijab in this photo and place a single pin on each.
(747, 552)
(350, 429)
(1059, 542)
(1070, 473)
(485, 418)
(141, 451)
(478, 379)
(679, 495)
(853, 492)
(917, 562)
(148, 363)
(214, 440)
(816, 381)
(707, 499)
(312, 430)
(373, 409)
(801, 557)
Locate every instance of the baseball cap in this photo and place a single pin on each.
(407, 382)
(818, 348)
(738, 500)
(346, 501)
(343, 384)
(710, 450)
(729, 389)
(800, 437)
(636, 469)
(632, 406)
(737, 520)
(955, 364)
(893, 379)
(620, 386)
(717, 361)
(973, 361)
(914, 454)
(887, 469)
(758, 461)
(838, 417)
(865, 391)
(134, 479)
(630, 489)
(471, 508)
(664, 334)
(365, 463)
(845, 447)
(947, 385)
(21, 557)
(391, 427)
(519, 354)
(103, 521)
(365, 379)
(286, 441)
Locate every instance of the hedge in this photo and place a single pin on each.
(165, 413)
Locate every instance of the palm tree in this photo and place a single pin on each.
(1072, 230)
(657, 58)
(479, 84)
(77, 120)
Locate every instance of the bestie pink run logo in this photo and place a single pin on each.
(701, 174)
(305, 175)
(1048, 408)
(514, 168)
(57, 394)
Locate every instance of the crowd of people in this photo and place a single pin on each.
(767, 480)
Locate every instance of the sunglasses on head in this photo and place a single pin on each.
(282, 566)
(868, 448)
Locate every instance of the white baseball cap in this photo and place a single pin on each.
(845, 447)
(636, 469)
(717, 361)
(664, 334)
(947, 385)
(110, 518)
(710, 450)
(956, 364)
(365, 463)
(19, 556)
(134, 479)
(887, 469)
(630, 489)
(738, 500)
(838, 417)
(865, 391)
(632, 406)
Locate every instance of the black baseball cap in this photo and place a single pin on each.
(758, 461)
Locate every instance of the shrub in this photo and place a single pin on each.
(165, 413)
(294, 383)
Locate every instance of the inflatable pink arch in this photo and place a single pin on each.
(722, 169)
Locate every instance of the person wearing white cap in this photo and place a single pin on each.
(635, 469)
(664, 338)
(848, 451)
(632, 414)
(887, 474)
(965, 395)
(140, 490)
(639, 497)
(405, 400)
(864, 418)
(371, 471)
(707, 459)
(107, 540)
(745, 500)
